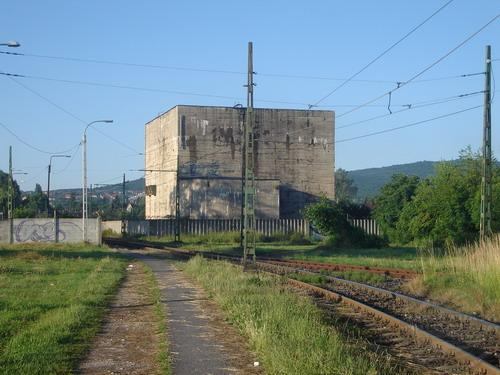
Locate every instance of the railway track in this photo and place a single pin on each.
(431, 338)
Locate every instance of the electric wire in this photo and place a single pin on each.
(412, 107)
(407, 125)
(420, 73)
(29, 145)
(382, 54)
(72, 115)
(69, 161)
(147, 89)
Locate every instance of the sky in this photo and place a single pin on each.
(195, 52)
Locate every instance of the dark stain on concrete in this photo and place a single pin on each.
(193, 152)
(183, 132)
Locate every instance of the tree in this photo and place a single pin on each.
(345, 189)
(330, 219)
(445, 209)
(389, 203)
(4, 185)
(32, 205)
(439, 211)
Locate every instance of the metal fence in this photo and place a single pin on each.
(166, 227)
(267, 227)
(370, 226)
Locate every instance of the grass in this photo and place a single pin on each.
(467, 278)
(163, 358)
(52, 299)
(295, 247)
(286, 330)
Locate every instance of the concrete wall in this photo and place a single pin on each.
(50, 230)
(221, 198)
(292, 146)
(161, 154)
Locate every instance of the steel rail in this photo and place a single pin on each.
(479, 365)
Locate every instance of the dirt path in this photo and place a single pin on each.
(201, 341)
(128, 342)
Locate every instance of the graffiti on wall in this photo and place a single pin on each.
(32, 231)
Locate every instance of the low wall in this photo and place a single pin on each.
(50, 230)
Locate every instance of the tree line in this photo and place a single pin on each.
(439, 210)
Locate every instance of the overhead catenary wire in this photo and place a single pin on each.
(426, 69)
(407, 125)
(412, 106)
(188, 93)
(382, 54)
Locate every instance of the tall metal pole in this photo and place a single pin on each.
(249, 235)
(84, 187)
(48, 179)
(48, 187)
(10, 203)
(485, 217)
(177, 204)
(124, 207)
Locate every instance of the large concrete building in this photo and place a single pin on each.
(200, 148)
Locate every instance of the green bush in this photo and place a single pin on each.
(330, 219)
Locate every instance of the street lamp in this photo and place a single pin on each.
(11, 43)
(84, 188)
(48, 179)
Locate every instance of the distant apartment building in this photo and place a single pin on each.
(199, 149)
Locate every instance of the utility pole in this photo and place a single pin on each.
(242, 216)
(123, 207)
(248, 222)
(485, 217)
(177, 204)
(10, 203)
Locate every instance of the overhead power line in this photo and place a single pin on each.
(407, 125)
(382, 54)
(27, 144)
(420, 73)
(62, 109)
(176, 92)
(412, 106)
(206, 70)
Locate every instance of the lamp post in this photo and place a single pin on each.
(48, 179)
(11, 43)
(84, 187)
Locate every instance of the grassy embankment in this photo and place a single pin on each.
(294, 246)
(286, 330)
(463, 278)
(52, 299)
(467, 278)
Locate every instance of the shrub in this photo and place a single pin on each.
(331, 221)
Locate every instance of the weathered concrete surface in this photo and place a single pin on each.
(200, 341)
(162, 148)
(294, 147)
(51, 230)
(221, 198)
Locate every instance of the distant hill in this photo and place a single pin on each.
(132, 186)
(369, 181)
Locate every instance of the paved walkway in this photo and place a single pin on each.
(200, 341)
